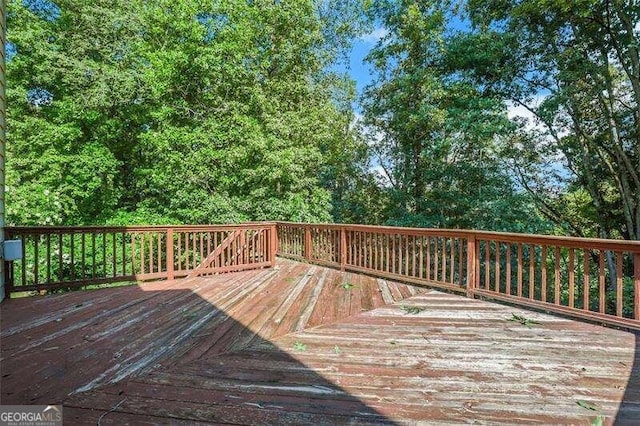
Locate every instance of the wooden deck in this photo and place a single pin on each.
(305, 344)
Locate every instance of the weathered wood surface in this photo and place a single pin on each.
(56, 345)
(292, 345)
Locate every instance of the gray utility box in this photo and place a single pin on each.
(12, 249)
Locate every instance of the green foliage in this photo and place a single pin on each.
(190, 111)
(436, 133)
(178, 112)
(527, 322)
(574, 65)
(414, 310)
(299, 346)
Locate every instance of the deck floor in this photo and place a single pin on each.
(304, 344)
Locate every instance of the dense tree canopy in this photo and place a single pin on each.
(183, 111)
(230, 110)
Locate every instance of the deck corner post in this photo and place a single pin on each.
(343, 249)
(169, 253)
(471, 265)
(307, 243)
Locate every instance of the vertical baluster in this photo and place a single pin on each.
(169, 254)
(150, 260)
(460, 265)
(104, 254)
(532, 272)
(159, 254)
(124, 254)
(543, 274)
(72, 272)
(444, 260)
(60, 249)
(36, 240)
(413, 256)
(497, 268)
(572, 278)
(114, 261)
(361, 248)
(83, 251)
(393, 254)
(452, 255)
(435, 258)
(48, 257)
(376, 260)
(487, 264)
(520, 266)
(202, 256)
(421, 258)
(186, 251)
(586, 282)
(179, 250)
(556, 289)
(507, 274)
(142, 249)
(406, 255)
(93, 253)
(23, 261)
(636, 286)
(428, 258)
(194, 248)
(386, 247)
(619, 284)
(133, 253)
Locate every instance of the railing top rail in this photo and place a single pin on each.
(133, 228)
(552, 240)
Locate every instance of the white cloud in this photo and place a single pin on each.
(374, 36)
(520, 113)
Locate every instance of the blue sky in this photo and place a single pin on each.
(360, 71)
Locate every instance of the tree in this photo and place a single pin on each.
(575, 66)
(176, 111)
(436, 132)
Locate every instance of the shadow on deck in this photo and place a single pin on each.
(305, 344)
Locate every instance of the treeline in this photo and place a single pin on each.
(177, 111)
(227, 111)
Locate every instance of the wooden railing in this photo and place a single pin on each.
(68, 257)
(588, 278)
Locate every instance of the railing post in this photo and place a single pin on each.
(636, 285)
(273, 247)
(471, 264)
(169, 253)
(343, 249)
(307, 243)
